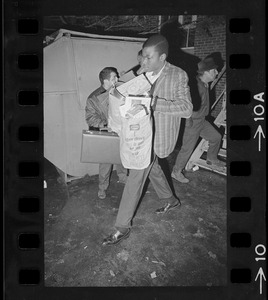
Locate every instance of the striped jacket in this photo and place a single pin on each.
(171, 97)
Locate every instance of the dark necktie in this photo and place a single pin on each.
(154, 99)
(151, 92)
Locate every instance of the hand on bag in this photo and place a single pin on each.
(135, 109)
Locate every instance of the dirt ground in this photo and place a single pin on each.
(186, 247)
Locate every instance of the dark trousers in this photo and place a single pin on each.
(199, 128)
(105, 172)
(133, 190)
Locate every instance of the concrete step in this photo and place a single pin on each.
(202, 163)
(224, 142)
(222, 123)
(222, 151)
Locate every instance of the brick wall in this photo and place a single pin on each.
(210, 36)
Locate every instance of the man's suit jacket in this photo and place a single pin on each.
(172, 100)
(96, 110)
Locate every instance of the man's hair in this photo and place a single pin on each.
(159, 42)
(106, 73)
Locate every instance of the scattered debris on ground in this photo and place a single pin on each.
(186, 247)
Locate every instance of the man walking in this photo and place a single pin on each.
(171, 101)
(197, 125)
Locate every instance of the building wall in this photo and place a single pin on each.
(71, 65)
(210, 36)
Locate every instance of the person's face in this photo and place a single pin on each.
(139, 58)
(112, 81)
(151, 60)
(211, 75)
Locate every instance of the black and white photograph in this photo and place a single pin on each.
(135, 150)
(134, 140)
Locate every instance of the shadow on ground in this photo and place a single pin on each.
(186, 247)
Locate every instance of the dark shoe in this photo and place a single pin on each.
(167, 207)
(179, 177)
(115, 238)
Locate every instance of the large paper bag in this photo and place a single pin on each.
(136, 142)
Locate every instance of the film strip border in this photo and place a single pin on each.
(246, 155)
(23, 108)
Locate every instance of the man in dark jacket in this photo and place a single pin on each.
(96, 118)
(197, 125)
